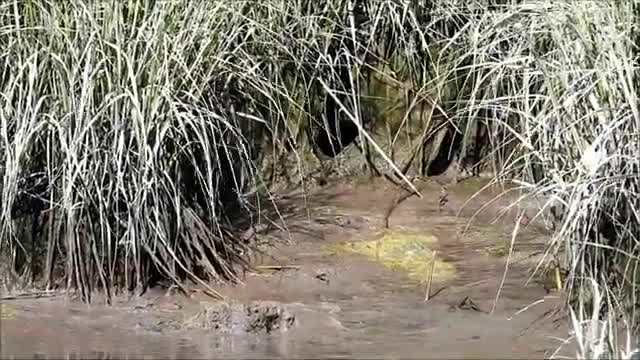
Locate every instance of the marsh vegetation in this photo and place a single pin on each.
(141, 141)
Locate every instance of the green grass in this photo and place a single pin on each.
(138, 138)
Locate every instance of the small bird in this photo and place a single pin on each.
(443, 199)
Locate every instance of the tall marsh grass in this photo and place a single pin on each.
(132, 132)
(562, 78)
(138, 137)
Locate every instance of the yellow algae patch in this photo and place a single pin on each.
(7, 312)
(408, 252)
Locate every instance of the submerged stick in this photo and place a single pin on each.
(506, 265)
(277, 267)
(427, 294)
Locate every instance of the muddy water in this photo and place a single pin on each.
(341, 305)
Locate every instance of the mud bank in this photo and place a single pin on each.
(338, 285)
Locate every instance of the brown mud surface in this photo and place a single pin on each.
(310, 300)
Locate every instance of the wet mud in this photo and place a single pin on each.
(337, 283)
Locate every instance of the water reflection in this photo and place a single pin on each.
(211, 347)
(388, 326)
(182, 350)
(103, 355)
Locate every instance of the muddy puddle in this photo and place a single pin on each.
(340, 285)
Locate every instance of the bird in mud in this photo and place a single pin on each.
(443, 199)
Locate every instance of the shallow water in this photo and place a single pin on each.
(379, 319)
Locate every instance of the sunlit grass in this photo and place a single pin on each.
(132, 132)
(562, 79)
(141, 136)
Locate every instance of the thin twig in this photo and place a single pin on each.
(506, 265)
(427, 294)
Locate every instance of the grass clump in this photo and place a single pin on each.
(560, 81)
(138, 138)
(120, 126)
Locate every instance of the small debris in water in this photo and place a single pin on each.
(323, 277)
(468, 304)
